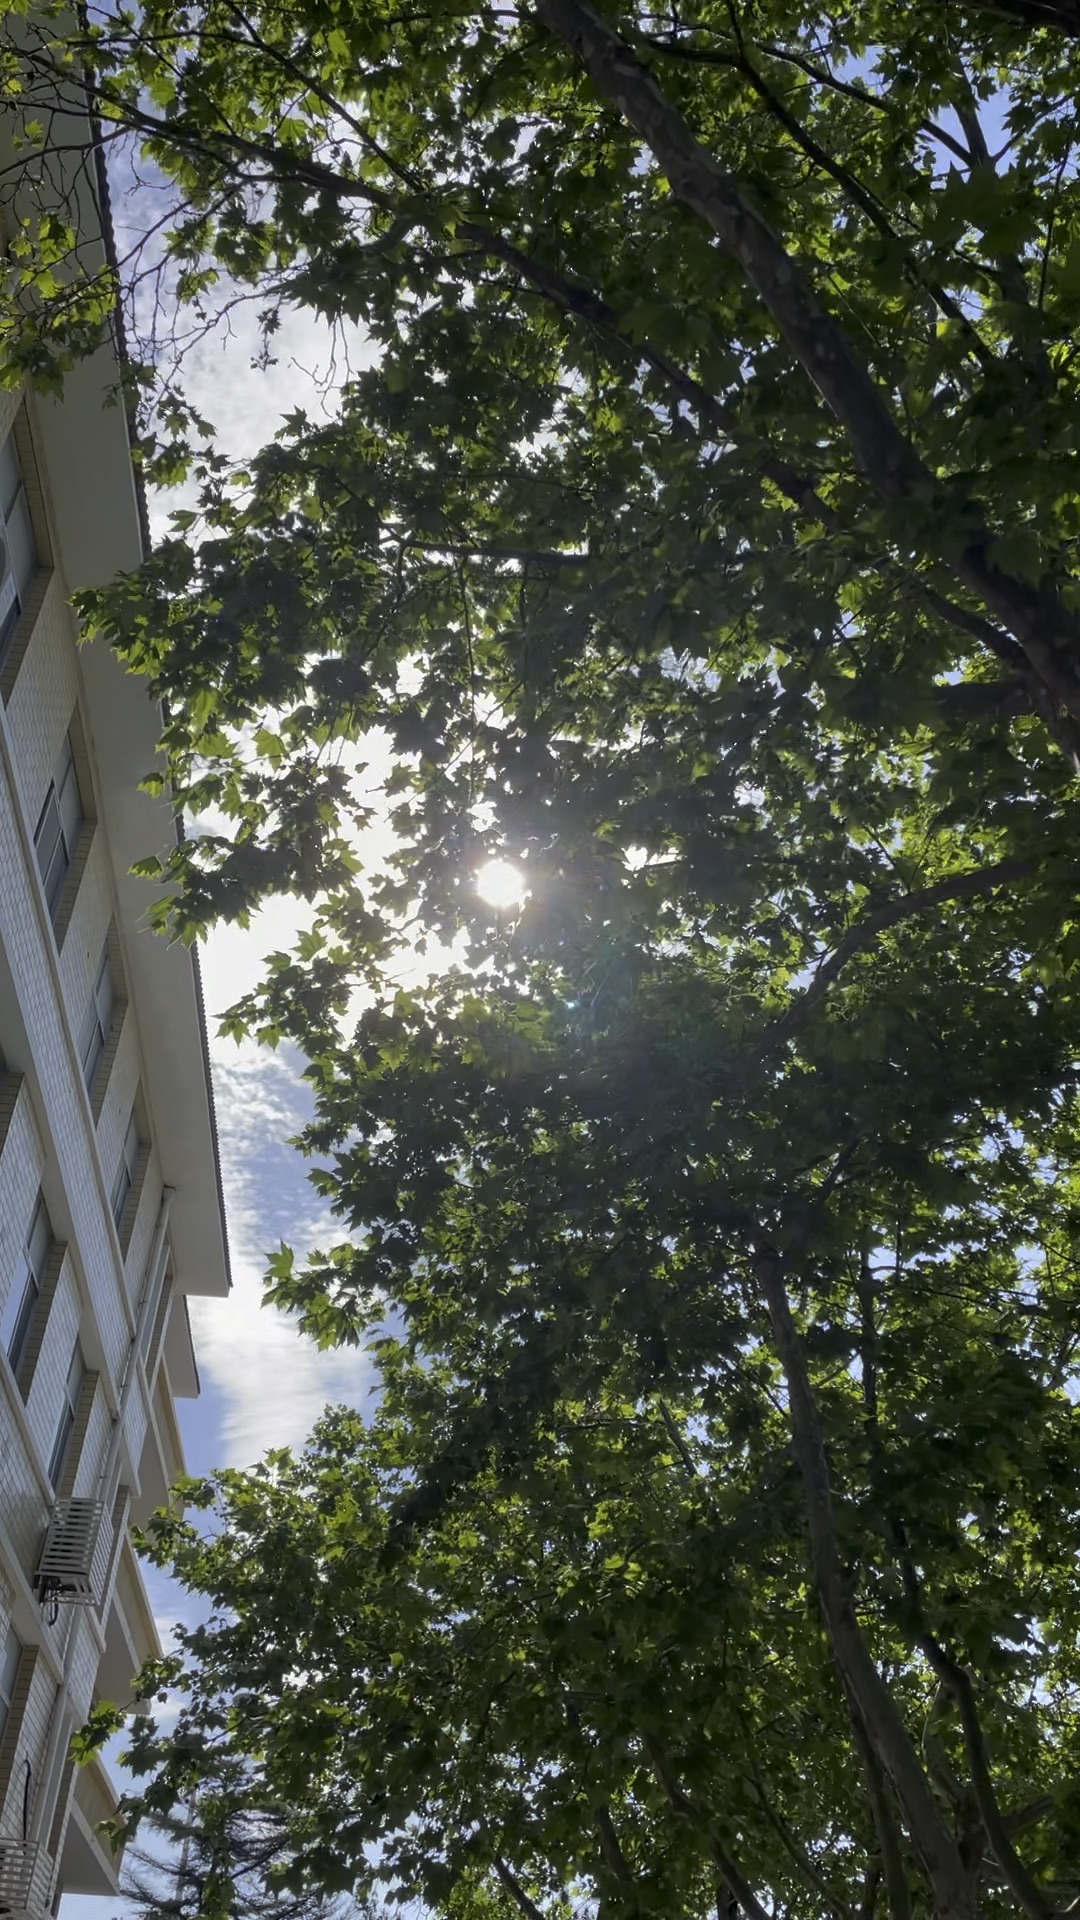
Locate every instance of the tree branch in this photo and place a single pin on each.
(891, 1866)
(677, 1440)
(1009, 268)
(610, 1848)
(871, 1698)
(517, 1892)
(680, 1803)
(610, 1845)
(967, 700)
(864, 200)
(723, 421)
(225, 147)
(792, 1847)
(716, 196)
(870, 1890)
(894, 468)
(1014, 1872)
(866, 932)
(680, 51)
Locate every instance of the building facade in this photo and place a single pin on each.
(110, 1205)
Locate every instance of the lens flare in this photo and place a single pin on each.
(501, 885)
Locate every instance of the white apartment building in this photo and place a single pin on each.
(110, 1204)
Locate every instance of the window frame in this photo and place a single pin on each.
(15, 581)
(69, 1413)
(95, 1028)
(33, 1281)
(124, 1182)
(10, 1662)
(63, 809)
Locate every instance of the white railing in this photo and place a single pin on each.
(24, 1879)
(74, 1564)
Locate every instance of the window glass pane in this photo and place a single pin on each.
(68, 802)
(38, 1241)
(58, 828)
(22, 548)
(54, 876)
(121, 1189)
(47, 832)
(60, 1445)
(92, 1055)
(152, 1318)
(91, 1045)
(96, 1021)
(18, 1313)
(10, 476)
(125, 1172)
(9, 1667)
(66, 1423)
(73, 1384)
(14, 560)
(9, 610)
(25, 1287)
(103, 993)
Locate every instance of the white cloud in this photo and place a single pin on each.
(274, 1382)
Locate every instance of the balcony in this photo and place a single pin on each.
(131, 1637)
(88, 1863)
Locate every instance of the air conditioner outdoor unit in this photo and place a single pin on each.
(24, 1879)
(74, 1560)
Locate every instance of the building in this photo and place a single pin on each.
(110, 1204)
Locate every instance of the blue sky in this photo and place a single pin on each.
(263, 1384)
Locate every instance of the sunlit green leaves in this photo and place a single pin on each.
(579, 571)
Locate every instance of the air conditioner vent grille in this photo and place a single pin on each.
(24, 1879)
(74, 1560)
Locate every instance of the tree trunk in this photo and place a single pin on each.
(1048, 634)
(885, 1730)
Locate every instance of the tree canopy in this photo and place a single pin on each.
(699, 532)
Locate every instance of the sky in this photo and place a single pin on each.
(263, 1383)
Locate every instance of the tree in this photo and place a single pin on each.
(893, 547)
(544, 1626)
(702, 537)
(222, 1853)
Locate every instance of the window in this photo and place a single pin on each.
(18, 552)
(9, 1667)
(66, 1423)
(154, 1323)
(125, 1172)
(96, 1021)
(26, 1286)
(58, 828)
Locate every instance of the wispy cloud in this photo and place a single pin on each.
(272, 1380)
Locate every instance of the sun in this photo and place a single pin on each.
(501, 885)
